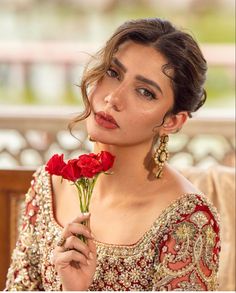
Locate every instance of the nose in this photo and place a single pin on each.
(115, 98)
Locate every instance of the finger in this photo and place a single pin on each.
(65, 258)
(92, 248)
(76, 228)
(81, 218)
(74, 242)
(55, 253)
(58, 249)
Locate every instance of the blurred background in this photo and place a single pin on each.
(45, 44)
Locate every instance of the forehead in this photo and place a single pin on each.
(143, 56)
(145, 60)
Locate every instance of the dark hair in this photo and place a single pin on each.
(186, 65)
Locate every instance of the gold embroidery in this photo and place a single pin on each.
(134, 267)
(210, 236)
(184, 231)
(199, 218)
(191, 285)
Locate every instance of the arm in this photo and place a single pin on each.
(24, 271)
(189, 254)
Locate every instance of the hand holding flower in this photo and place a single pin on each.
(82, 172)
(75, 261)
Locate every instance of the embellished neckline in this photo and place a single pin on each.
(145, 238)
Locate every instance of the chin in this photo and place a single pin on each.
(99, 138)
(98, 135)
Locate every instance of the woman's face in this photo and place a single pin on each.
(132, 97)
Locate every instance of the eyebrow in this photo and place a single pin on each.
(119, 64)
(149, 81)
(138, 77)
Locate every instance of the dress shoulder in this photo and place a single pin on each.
(189, 246)
(24, 273)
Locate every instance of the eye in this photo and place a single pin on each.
(112, 73)
(146, 93)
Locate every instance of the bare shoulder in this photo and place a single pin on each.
(57, 184)
(178, 183)
(65, 201)
(61, 186)
(171, 187)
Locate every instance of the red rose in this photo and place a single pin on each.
(71, 170)
(55, 165)
(83, 172)
(107, 160)
(89, 165)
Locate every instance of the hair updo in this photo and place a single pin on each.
(186, 66)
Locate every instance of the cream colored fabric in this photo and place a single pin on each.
(218, 182)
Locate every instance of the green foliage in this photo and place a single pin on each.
(220, 88)
(214, 27)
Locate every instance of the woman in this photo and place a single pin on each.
(151, 229)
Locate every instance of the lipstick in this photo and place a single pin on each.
(105, 120)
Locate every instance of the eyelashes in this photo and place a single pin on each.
(142, 91)
(112, 73)
(146, 93)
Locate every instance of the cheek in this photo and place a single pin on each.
(96, 98)
(92, 95)
(88, 122)
(146, 119)
(140, 126)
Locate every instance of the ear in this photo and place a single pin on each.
(173, 123)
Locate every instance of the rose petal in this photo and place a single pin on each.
(55, 165)
(71, 170)
(107, 160)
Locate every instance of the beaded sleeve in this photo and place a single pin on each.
(24, 271)
(188, 255)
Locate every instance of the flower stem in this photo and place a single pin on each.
(84, 191)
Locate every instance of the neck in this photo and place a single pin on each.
(131, 170)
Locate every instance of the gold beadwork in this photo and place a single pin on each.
(161, 155)
(135, 267)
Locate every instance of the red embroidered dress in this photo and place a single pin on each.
(179, 252)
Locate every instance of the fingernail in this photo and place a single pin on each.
(86, 214)
(90, 255)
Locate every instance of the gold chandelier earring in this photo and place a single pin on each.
(161, 155)
(90, 138)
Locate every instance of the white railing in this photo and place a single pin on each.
(75, 53)
(30, 135)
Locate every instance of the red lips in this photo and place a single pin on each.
(105, 120)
